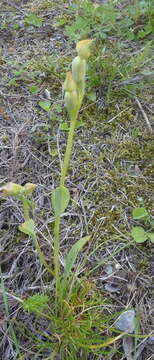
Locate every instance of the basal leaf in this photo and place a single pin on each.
(60, 200)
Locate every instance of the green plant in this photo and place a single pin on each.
(140, 214)
(93, 18)
(45, 105)
(76, 309)
(114, 31)
(138, 233)
(32, 19)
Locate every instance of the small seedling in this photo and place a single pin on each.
(138, 233)
(34, 89)
(140, 214)
(45, 105)
(33, 19)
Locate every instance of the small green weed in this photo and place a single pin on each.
(138, 233)
(34, 89)
(33, 19)
(45, 105)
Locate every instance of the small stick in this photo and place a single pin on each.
(144, 115)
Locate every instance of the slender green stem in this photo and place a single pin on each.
(38, 249)
(25, 208)
(73, 117)
(56, 253)
(68, 148)
(41, 255)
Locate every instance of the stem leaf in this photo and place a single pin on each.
(28, 227)
(60, 200)
(72, 255)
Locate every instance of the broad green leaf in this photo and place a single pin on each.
(34, 89)
(33, 19)
(151, 237)
(141, 34)
(140, 213)
(64, 126)
(60, 200)
(72, 255)
(45, 105)
(138, 234)
(28, 227)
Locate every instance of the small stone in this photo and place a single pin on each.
(111, 288)
(108, 269)
(47, 94)
(126, 321)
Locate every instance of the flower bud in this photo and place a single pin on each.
(69, 84)
(71, 97)
(29, 187)
(82, 48)
(11, 189)
(71, 100)
(78, 69)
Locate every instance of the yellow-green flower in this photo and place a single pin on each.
(71, 96)
(83, 48)
(69, 84)
(78, 69)
(29, 187)
(11, 189)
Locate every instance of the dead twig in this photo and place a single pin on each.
(144, 115)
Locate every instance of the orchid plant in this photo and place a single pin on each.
(74, 87)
